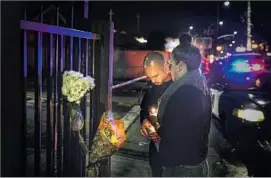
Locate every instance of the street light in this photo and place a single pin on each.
(227, 3)
(235, 32)
(191, 28)
(221, 23)
(219, 48)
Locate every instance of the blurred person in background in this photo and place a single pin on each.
(156, 69)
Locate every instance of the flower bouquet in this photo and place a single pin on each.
(74, 88)
(108, 139)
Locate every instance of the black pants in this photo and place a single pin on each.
(155, 168)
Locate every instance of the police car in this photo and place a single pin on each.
(241, 101)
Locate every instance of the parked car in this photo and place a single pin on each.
(241, 106)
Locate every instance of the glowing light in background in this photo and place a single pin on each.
(219, 48)
(226, 3)
(228, 54)
(240, 66)
(256, 67)
(212, 58)
(240, 49)
(254, 46)
(141, 40)
(171, 43)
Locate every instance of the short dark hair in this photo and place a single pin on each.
(153, 57)
(187, 53)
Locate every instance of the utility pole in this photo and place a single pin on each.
(111, 13)
(138, 18)
(249, 26)
(217, 27)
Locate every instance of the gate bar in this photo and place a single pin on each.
(38, 105)
(111, 56)
(45, 28)
(25, 105)
(49, 129)
(128, 82)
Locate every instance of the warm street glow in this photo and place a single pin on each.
(171, 43)
(254, 46)
(219, 48)
(141, 40)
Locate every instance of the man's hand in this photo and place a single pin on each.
(145, 124)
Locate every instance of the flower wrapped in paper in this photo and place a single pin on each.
(108, 139)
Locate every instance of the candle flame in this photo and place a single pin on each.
(153, 111)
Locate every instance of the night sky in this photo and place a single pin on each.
(174, 17)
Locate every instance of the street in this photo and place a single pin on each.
(132, 158)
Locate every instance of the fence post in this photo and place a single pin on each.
(12, 126)
(102, 78)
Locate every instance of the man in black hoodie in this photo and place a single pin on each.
(157, 72)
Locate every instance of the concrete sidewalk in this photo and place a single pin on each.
(127, 167)
(131, 117)
(132, 158)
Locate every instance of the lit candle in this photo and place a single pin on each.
(153, 111)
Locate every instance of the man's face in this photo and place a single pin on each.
(156, 74)
(176, 69)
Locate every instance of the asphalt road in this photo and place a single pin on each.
(132, 158)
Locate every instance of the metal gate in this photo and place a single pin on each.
(51, 148)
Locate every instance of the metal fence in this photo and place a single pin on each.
(56, 150)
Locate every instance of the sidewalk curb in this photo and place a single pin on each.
(131, 117)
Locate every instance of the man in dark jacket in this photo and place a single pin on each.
(184, 114)
(156, 70)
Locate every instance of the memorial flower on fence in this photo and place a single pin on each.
(110, 134)
(107, 140)
(74, 88)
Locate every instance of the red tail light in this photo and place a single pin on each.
(257, 65)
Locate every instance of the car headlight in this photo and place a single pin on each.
(249, 114)
(262, 102)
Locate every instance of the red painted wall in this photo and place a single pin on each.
(129, 64)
